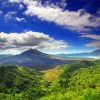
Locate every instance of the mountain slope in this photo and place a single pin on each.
(16, 78)
(34, 58)
(4, 56)
(17, 81)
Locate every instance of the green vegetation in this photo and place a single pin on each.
(78, 81)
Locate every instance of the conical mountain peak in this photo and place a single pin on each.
(32, 51)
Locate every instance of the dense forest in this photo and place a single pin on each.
(78, 81)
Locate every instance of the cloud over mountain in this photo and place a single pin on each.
(29, 40)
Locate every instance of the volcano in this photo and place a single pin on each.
(34, 59)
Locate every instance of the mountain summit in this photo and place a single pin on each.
(31, 51)
(35, 59)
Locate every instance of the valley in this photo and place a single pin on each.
(77, 81)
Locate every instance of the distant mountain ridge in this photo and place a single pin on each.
(93, 54)
(4, 55)
(34, 59)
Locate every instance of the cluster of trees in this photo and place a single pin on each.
(78, 81)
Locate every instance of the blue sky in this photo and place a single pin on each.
(52, 26)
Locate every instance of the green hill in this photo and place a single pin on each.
(16, 81)
(78, 81)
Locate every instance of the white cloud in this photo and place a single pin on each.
(57, 15)
(77, 20)
(15, 1)
(9, 15)
(91, 36)
(53, 44)
(29, 40)
(93, 44)
(20, 19)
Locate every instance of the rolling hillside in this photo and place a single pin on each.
(78, 81)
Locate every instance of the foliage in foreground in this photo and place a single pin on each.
(78, 81)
